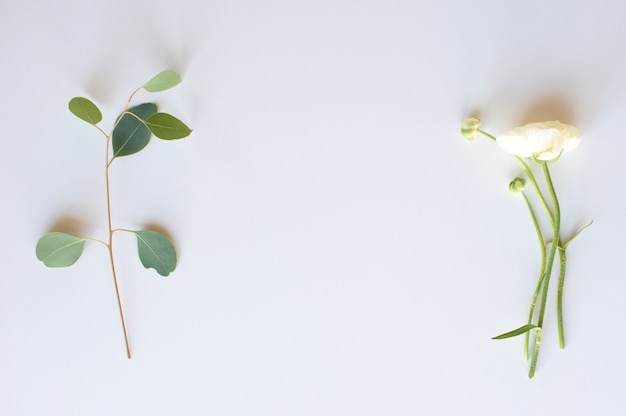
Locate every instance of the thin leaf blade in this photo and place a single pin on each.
(519, 331)
(167, 127)
(130, 134)
(59, 249)
(162, 81)
(156, 251)
(84, 109)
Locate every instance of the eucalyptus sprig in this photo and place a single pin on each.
(542, 144)
(131, 132)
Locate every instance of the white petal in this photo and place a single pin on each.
(542, 140)
(516, 145)
(571, 143)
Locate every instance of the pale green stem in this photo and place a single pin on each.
(556, 227)
(533, 181)
(538, 335)
(559, 300)
(531, 177)
(542, 247)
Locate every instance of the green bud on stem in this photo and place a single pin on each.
(470, 127)
(517, 185)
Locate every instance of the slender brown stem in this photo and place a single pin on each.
(131, 98)
(119, 302)
(117, 291)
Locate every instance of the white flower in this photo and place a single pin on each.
(541, 141)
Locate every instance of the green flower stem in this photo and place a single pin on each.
(556, 227)
(538, 335)
(559, 300)
(531, 177)
(542, 247)
(487, 135)
(533, 181)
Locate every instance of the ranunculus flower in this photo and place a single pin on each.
(542, 141)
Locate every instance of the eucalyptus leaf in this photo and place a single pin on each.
(131, 134)
(519, 331)
(59, 249)
(163, 81)
(85, 110)
(156, 251)
(143, 111)
(167, 127)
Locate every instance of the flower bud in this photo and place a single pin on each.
(517, 185)
(470, 127)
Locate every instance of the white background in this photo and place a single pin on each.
(342, 249)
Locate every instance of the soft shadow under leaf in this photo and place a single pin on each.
(85, 110)
(59, 249)
(156, 251)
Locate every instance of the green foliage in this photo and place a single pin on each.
(59, 249)
(519, 331)
(85, 110)
(143, 111)
(163, 81)
(156, 251)
(167, 127)
(131, 134)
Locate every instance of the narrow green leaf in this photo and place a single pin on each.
(131, 135)
(156, 251)
(162, 81)
(85, 110)
(576, 235)
(167, 127)
(59, 249)
(519, 331)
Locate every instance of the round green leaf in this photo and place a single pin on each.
(166, 126)
(59, 249)
(162, 81)
(85, 110)
(156, 251)
(130, 134)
